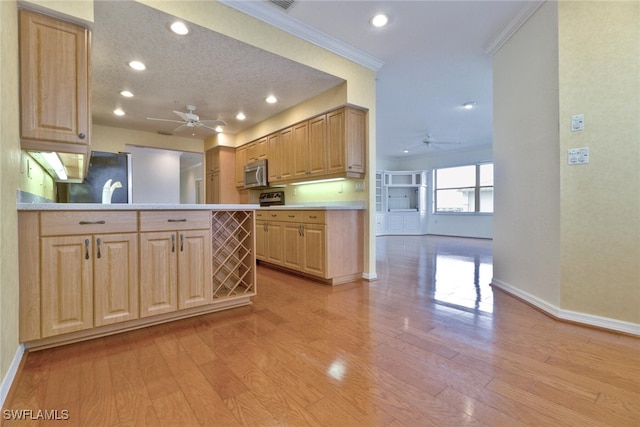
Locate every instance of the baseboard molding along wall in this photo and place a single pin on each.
(568, 315)
(7, 381)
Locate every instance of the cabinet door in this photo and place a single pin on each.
(275, 157)
(261, 240)
(262, 149)
(158, 275)
(335, 142)
(395, 222)
(115, 278)
(54, 81)
(317, 150)
(355, 135)
(212, 160)
(275, 238)
(315, 244)
(293, 245)
(213, 187)
(195, 286)
(67, 284)
(300, 147)
(241, 161)
(251, 152)
(411, 222)
(286, 150)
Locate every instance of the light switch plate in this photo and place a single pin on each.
(577, 122)
(578, 156)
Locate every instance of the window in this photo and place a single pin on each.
(464, 189)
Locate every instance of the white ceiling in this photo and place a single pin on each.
(431, 59)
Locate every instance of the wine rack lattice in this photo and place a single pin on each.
(233, 258)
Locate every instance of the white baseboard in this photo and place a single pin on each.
(370, 277)
(11, 374)
(568, 315)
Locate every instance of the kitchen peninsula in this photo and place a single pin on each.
(88, 270)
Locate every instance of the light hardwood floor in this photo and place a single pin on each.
(428, 344)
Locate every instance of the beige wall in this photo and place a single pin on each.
(9, 171)
(599, 46)
(567, 238)
(526, 227)
(114, 140)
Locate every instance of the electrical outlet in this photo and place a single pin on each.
(340, 188)
(578, 156)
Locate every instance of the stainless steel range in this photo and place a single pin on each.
(272, 198)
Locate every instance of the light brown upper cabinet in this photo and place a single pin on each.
(346, 141)
(330, 145)
(55, 93)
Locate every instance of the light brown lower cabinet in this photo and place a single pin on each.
(176, 270)
(88, 280)
(175, 257)
(323, 244)
(90, 273)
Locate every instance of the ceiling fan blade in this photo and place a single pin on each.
(182, 115)
(205, 126)
(165, 120)
(213, 122)
(179, 128)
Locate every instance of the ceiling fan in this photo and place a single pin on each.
(431, 143)
(191, 120)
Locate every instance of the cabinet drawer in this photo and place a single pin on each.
(61, 223)
(314, 217)
(174, 220)
(284, 216)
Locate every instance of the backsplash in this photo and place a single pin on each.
(26, 197)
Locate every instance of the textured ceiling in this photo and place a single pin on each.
(434, 56)
(219, 75)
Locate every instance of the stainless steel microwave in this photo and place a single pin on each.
(255, 174)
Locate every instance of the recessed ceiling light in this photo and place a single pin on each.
(137, 65)
(379, 20)
(405, 151)
(271, 99)
(179, 28)
(118, 112)
(469, 105)
(126, 94)
(240, 116)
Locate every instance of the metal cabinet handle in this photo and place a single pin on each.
(274, 215)
(181, 242)
(313, 216)
(98, 241)
(92, 222)
(177, 220)
(173, 243)
(86, 248)
(82, 135)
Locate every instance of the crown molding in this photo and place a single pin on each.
(513, 26)
(274, 17)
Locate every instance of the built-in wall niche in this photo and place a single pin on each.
(402, 199)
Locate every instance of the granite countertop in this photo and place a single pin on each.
(130, 207)
(319, 206)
